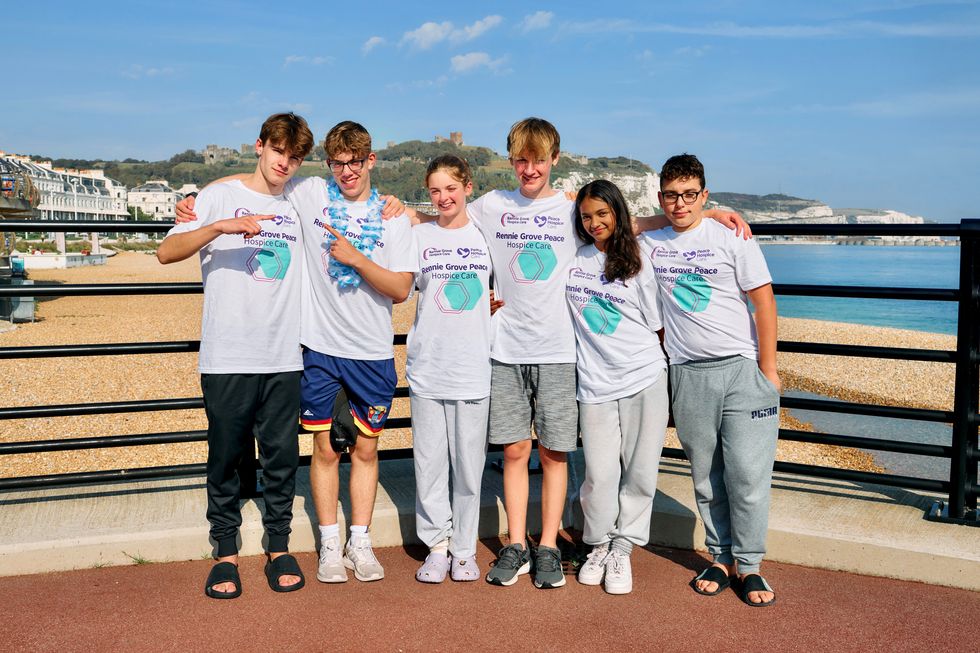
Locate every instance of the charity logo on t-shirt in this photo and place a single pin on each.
(535, 259)
(270, 257)
(460, 287)
(686, 274)
(597, 308)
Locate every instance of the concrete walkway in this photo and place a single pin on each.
(823, 524)
(121, 598)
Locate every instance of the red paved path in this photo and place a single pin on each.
(162, 607)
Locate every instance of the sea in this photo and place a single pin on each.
(859, 265)
(865, 265)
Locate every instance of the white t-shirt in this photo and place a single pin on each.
(703, 276)
(251, 318)
(449, 343)
(532, 244)
(347, 322)
(619, 352)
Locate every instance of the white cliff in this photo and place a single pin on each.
(640, 190)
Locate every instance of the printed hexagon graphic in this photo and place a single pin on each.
(457, 295)
(601, 316)
(268, 264)
(692, 292)
(535, 262)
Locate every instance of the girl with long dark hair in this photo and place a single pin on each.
(622, 384)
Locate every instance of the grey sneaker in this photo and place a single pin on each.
(512, 561)
(594, 567)
(619, 573)
(547, 568)
(331, 567)
(359, 557)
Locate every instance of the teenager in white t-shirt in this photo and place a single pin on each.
(250, 244)
(448, 373)
(356, 266)
(723, 375)
(531, 235)
(622, 384)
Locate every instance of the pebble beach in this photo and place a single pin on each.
(87, 320)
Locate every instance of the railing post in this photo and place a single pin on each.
(962, 504)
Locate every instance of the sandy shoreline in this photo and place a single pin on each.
(80, 320)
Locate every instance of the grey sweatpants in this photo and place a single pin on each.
(449, 434)
(622, 441)
(727, 417)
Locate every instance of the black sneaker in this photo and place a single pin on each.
(512, 561)
(547, 568)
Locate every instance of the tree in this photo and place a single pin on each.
(187, 156)
(137, 213)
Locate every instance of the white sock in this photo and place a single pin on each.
(359, 531)
(328, 531)
(441, 547)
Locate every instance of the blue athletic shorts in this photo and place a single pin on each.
(370, 386)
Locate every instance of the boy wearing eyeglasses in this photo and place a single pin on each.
(357, 266)
(723, 375)
(531, 236)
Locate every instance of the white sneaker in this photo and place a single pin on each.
(331, 568)
(594, 567)
(359, 556)
(619, 573)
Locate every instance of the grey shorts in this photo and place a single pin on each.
(540, 393)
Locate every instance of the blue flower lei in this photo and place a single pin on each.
(371, 227)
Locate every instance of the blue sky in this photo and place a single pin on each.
(857, 104)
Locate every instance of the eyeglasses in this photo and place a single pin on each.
(689, 196)
(355, 165)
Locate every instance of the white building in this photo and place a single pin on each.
(187, 189)
(156, 199)
(69, 194)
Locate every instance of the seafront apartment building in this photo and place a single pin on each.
(156, 199)
(68, 194)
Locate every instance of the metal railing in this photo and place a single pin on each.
(960, 488)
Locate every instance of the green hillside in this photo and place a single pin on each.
(763, 203)
(399, 172)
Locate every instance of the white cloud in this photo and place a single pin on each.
(429, 34)
(537, 20)
(136, 71)
(372, 43)
(471, 61)
(304, 59)
(470, 32)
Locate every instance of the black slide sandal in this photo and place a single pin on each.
(712, 575)
(756, 583)
(284, 565)
(223, 572)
